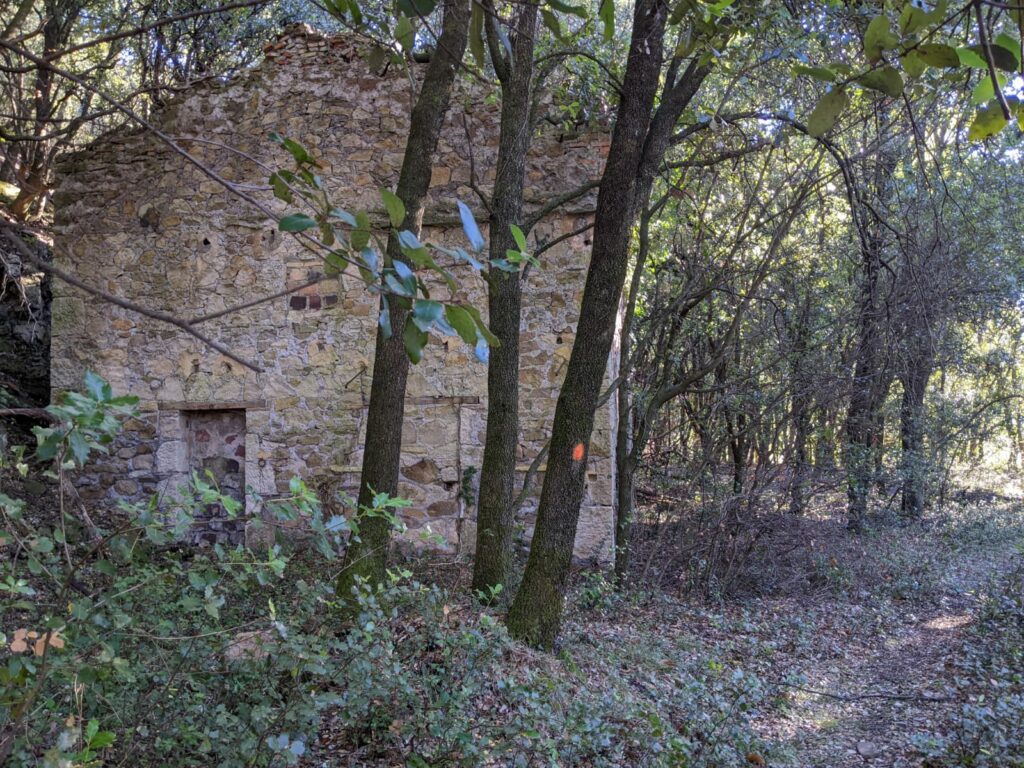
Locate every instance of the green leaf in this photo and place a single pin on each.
(606, 12)
(416, 8)
(912, 19)
(913, 64)
(297, 151)
(819, 73)
(1004, 59)
(384, 319)
(426, 312)
(879, 37)
(414, 340)
(887, 80)
(404, 32)
(395, 207)
(281, 189)
(489, 337)
(971, 58)
(988, 121)
(79, 446)
(102, 740)
(826, 112)
(575, 10)
(462, 322)
(97, 387)
(470, 228)
(551, 22)
(985, 90)
(938, 14)
(1011, 44)
(1017, 14)
(519, 237)
(939, 55)
(297, 222)
(361, 234)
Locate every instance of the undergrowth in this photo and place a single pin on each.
(987, 730)
(122, 647)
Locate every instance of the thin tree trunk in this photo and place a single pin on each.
(495, 514)
(800, 410)
(366, 557)
(915, 384)
(536, 613)
(625, 460)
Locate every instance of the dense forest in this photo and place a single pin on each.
(800, 303)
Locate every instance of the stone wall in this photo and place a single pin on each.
(138, 220)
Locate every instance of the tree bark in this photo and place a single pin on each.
(366, 558)
(495, 510)
(870, 387)
(915, 383)
(638, 146)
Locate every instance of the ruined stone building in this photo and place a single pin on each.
(137, 220)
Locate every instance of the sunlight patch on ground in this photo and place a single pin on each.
(945, 622)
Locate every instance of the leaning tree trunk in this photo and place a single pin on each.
(536, 613)
(638, 146)
(366, 558)
(492, 564)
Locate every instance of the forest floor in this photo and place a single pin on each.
(857, 635)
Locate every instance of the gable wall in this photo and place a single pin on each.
(139, 221)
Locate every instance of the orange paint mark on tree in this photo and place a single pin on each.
(577, 452)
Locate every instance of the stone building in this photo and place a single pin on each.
(136, 219)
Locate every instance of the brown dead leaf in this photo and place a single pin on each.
(19, 645)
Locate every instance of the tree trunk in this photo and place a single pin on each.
(625, 458)
(915, 383)
(536, 613)
(800, 412)
(366, 557)
(495, 514)
(638, 146)
(866, 395)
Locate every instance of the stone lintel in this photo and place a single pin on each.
(228, 405)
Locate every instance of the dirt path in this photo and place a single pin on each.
(869, 673)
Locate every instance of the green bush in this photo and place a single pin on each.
(123, 647)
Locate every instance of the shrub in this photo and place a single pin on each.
(123, 647)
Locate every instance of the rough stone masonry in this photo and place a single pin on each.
(139, 221)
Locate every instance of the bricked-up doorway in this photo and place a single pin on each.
(215, 444)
